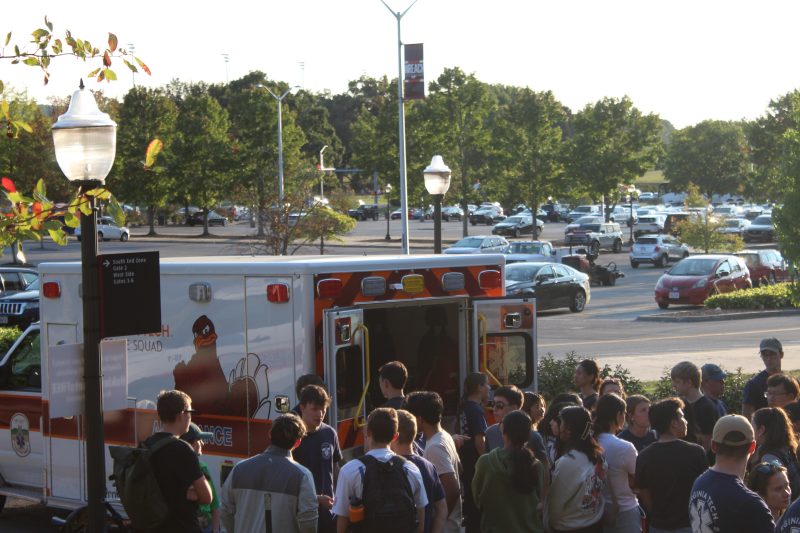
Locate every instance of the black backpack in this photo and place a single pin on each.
(137, 485)
(388, 499)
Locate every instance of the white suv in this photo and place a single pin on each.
(657, 249)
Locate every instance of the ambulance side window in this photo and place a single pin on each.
(349, 380)
(510, 359)
(23, 369)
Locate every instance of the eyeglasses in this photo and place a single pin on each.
(189, 411)
(499, 405)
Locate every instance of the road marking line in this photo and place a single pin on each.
(677, 337)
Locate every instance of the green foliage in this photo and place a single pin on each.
(732, 396)
(702, 231)
(712, 154)
(613, 144)
(558, 375)
(779, 296)
(7, 338)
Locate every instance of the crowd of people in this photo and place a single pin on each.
(593, 460)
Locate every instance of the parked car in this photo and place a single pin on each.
(552, 212)
(517, 225)
(648, 196)
(735, 226)
(107, 229)
(553, 285)
(649, 224)
(15, 279)
(365, 212)
(214, 219)
(487, 214)
(622, 214)
(479, 244)
(530, 251)
(572, 226)
(582, 211)
(658, 250)
(396, 214)
(765, 266)
(452, 212)
(760, 229)
(695, 278)
(728, 211)
(606, 235)
(21, 308)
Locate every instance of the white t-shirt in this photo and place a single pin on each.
(621, 458)
(349, 482)
(441, 451)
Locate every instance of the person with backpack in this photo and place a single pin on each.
(509, 480)
(777, 443)
(176, 465)
(208, 514)
(380, 492)
(272, 491)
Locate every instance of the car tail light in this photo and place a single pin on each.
(51, 289)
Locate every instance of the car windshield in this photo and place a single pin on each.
(521, 272)
(590, 227)
(34, 286)
(515, 220)
(647, 219)
(751, 260)
(583, 209)
(469, 242)
(585, 220)
(647, 240)
(483, 210)
(723, 210)
(763, 221)
(733, 223)
(526, 248)
(698, 266)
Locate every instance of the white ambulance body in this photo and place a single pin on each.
(238, 331)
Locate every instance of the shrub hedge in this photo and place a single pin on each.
(7, 338)
(781, 295)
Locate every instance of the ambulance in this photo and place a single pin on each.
(236, 334)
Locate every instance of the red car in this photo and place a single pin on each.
(766, 266)
(695, 278)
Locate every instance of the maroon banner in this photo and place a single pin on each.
(414, 87)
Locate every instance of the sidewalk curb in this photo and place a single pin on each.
(735, 315)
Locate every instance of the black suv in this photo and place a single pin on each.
(364, 212)
(21, 308)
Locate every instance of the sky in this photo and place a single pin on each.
(687, 61)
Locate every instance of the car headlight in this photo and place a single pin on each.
(700, 283)
(32, 305)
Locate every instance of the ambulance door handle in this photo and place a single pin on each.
(484, 352)
(367, 372)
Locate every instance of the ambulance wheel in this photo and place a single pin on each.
(78, 521)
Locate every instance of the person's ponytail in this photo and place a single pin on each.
(524, 465)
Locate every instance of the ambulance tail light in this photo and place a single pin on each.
(330, 288)
(490, 279)
(453, 281)
(51, 289)
(413, 283)
(278, 293)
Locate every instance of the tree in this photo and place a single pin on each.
(145, 114)
(201, 151)
(704, 231)
(613, 143)
(712, 154)
(531, 136)
(457, 114)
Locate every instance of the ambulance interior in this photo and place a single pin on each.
(428, 339)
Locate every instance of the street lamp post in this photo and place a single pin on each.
(279, 99)
(388, 190)
(437, 181)
(401, 131)
(85, 141)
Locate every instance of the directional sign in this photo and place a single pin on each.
(130, 294)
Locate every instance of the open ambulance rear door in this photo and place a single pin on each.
(504, 341)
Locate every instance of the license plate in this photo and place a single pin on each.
(3, 319)
(674, 295)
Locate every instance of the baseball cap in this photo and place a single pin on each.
(733, 430)
(771, 343)
(712, 372)
(195, 433)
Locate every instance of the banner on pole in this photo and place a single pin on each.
(414, 87)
